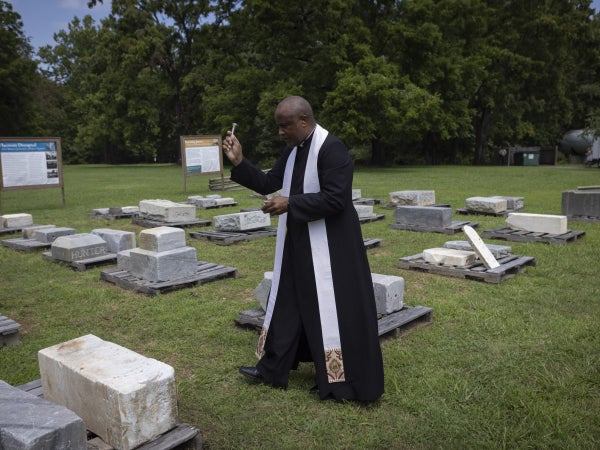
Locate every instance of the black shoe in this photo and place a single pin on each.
(314, 390)
(251, 372)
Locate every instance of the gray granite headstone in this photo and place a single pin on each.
(389, 293)
(512, 203)
(28, 422)
(77, 247)
(116, 240)
(423, 216)
(244, 221)
(28, 232)
(581, 202)
(412, 198)
(49, 235)
(168, 265)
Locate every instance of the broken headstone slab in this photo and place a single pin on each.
(492, 205)
(389, 293)
(449, 257)
(538, 223)
(49, 235)
(76, 247)
(412, 198)
(16, 220)
(168, 265)
(480, 248)
(499, 251)
(167, 211)
(160, 239)
(364, 211)
(512, 203)
(423, 216)
(28, 232)
(243, 221)
(116, 240)
(356, 194)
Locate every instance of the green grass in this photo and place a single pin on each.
(509, 365)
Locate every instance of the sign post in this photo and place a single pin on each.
(200, 155)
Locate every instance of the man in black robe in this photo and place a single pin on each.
(322, 306)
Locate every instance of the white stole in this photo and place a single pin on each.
(321, 262)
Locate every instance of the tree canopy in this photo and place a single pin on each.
(410, 81)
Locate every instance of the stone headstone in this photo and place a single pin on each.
(243, 221)
(449, 257)
(356, 194)
(123, 397)
(498, 251)
(28, 232)
(167, 211)
(261, 292)
(538, 223)
(160, 239)
(202, 202)
(581, 202)
(100, 211)
(76, 247)
(480, 248)
(364, 211)
(512, 203)
(123, 258)
(116, 240)
(16, 220)
(49, 235)
(423, 216)
(167, 265)
(389, 293)
(29, 422)
(412, 198)
(487, 204)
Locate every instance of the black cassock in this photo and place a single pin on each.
(294, 333)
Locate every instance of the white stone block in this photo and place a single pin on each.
(389, 293)
(76, 247)
(250, 220)
(28, 232)
(480, 248)
(449, 257)
(125, 398)
(202, 202)
(167, 211)
(364, 211)
(356, 194)
(486, 204)
(261, 292)
(160, 239)
(130, 209)
(16, 220)
(116, 240)
(100, 211)
(538, 223)
(412, 198)
(163, 266)
(512, 203)
(225, 201)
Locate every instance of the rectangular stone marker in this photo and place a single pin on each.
(167, 211)
(480, 248)
(100, 211)
(244, 221)
(16, 220)
(160, 239)
(512, 203)
(28, 422)
(49, 235)
(486, 204)
(449, 257)
(168, 265)
(123, 397)
(261, 292)
(116, 240)
(202, 202)
(412, 198)
(356, 194)
(123, 258)
(423, 216)
(581, 202)
(364, 211)
(538, 223)
(498, 251)
(28, 232)
(76, 247)
(389, 293)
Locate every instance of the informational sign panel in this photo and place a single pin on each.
(31, 163)
(201, 155)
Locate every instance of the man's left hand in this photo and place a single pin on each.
(275, 206)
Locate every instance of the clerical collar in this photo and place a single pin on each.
(307, 138)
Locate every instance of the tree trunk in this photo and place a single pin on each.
(482, 130)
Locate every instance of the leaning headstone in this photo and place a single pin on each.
(582, 203)
(16, 220)
(28, 232)
(116, 240)
(76, 247)
(498, 251)
(49, 235)
(243, 221)
(449, 257)
(512, 203)
(162, 256)
(29, 422)
(123, 397)
(423, 216)
(412, 198)
(364, 211)
(389, 293)
(167, 211)
(538, 223)
(480, 248)
(261, 292)
(486, 204)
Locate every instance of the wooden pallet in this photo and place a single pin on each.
(181, 436)
(438, 205)
(9, 331)
(583, 218)
(215, 206)
(232, 237)
(372, 218)
(400, 321)
(366, 201)
(223, 184)
(507, 233)
(84, 264)
(453, 228)
(205, 273)
(465, 211)
(510, 266)
(113, 216)
(149, 223)
(25, 245)
(371, 243)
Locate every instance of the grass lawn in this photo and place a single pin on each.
(509, 365)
